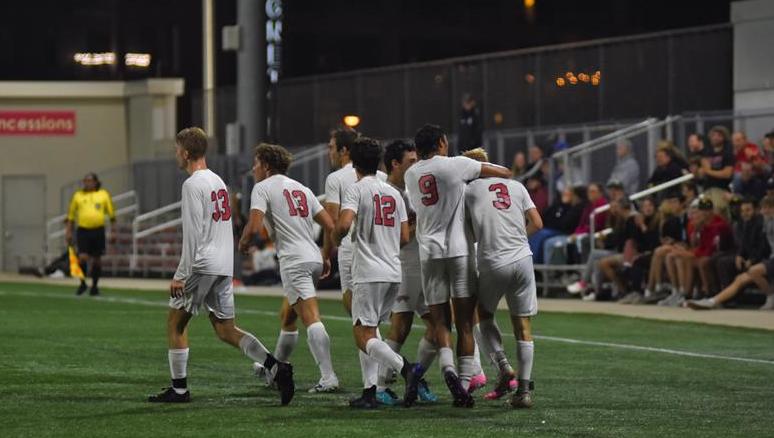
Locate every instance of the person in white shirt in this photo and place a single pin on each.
(399, 156)
(502, 216)
(436, 188)
(204, 275)
(377, 215)
(289, 210)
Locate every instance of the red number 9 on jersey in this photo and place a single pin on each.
(429, 189)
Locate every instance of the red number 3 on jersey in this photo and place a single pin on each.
(222, 209)
(503, 198)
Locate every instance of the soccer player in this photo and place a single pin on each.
(502, 216)
(339, 153)
(289, 210)
(204, 275)
(398, 157)
(436, 188)
(380, 228)
(88, 209)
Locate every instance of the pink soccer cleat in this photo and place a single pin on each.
(477, 382)
(498, 393)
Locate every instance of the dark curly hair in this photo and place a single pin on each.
(366, 154)
(428, 140)
(275, 156)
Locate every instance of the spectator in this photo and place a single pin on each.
(689, 192)
(705, 229)
(768, 149)
(615, 190)
(696, 147)
(537, 166)
(761, 273)
(673, 234)
(470, 126)
(638, 251)
(519, 166)
(751, 246)
(747, 153)
(717, 168)
(538, 192)
(667, 169)
(559, 220)
(626, 170)
(748, 184)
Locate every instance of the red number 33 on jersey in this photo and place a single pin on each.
(222, 209)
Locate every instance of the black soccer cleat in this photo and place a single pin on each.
(81, 289)
(94, 292)
(462, 399)
(283, 377)
(168, 395)
(413, 376)
(365, 401)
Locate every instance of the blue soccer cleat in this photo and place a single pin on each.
(425, 394)
(387, 397)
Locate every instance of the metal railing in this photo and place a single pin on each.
(138, 233)
(56, 227)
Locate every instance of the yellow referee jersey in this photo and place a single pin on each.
(88, 209)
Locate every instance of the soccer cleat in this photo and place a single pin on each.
(81, 289)
(387, 397)
(705, 304)
(477, 382)
(521, 400)
(365, 401)
(506, 382)
(283, 376)
(414, 375)
(323, 387)
(461, 397)
(424, 392)
(168, 395)
(577, 287)
(94, 292)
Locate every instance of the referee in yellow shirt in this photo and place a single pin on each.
(88, 209)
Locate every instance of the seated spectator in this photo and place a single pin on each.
(626, 170)
(696, 147)
(689, 192)
(717, 169)
(538, 192)
(747, 184)
(760, 273)
(519, 166)
(704, 230)
(746, 152)
(612, 244)
(750, 246)
(638, 252)
(673, 234)
(615, 190)
(595, 199)
(667, 169)
(559, 220)
(768, 150)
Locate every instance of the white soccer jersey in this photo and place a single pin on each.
(436, 189)
(289, 209)
(336, 185)
(409, 254)
(496, 209)
(208, 236)
(376, 230)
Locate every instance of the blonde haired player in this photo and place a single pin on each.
(204, 275)
(502, 216)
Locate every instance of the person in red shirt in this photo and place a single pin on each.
(705, 231)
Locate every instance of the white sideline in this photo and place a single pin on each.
(142, 302)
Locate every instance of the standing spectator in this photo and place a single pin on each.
(470, 127)
(615, 190)
(667, 169)
(696, 147)
(717, 168)
(519, 166)
(626, 170)
(87, 211)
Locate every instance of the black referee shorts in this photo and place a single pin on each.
(91, 241)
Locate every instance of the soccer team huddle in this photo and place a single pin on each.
(443, 238)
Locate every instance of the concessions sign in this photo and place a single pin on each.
(37, 123)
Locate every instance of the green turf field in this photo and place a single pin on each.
(83, 366)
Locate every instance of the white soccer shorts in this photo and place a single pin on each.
(372, 302)
(215, 292)
(453, 277)
(515, 281)
(300, 281)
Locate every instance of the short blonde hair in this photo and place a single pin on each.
(478, 154)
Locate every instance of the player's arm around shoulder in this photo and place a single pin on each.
(489, 170)
(534, 220)
(347, 213)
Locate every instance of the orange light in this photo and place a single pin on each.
(569, 74)
(351, 121)
(529, 78)
(560, 82)
(595, 81)
(529, 4)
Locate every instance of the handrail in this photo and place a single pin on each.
(639, 195)
(160, 227)
(158, 211)
(608, 142)
(607, 137)
(137, 234)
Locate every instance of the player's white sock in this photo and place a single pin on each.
(467, 368)
(426, 353)
(526, 353)
(382, 353)
(446, 360)
(178, 368)
(491, 340)
(286, 343)
(385, 372)
(370, 369)
(482, 345)
(253, 348)
(320, 346)
(477, 360)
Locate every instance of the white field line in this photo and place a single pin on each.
(141, 302)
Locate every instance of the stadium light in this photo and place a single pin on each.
(137, 59)
(529, 4)
(106, 58)
(352, 121)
